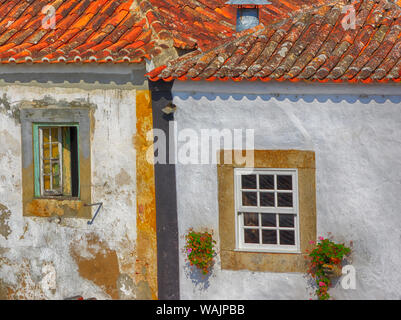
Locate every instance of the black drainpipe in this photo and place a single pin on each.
(166, 201)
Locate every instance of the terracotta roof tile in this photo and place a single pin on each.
(311, 46)
(85, 30)
(208, 21)
(122, 30)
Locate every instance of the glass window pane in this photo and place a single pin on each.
(268, 219)
(46, 151)
(284, 182)
(46, 166)
(269, 236)
(46, 182)
(286, 220)
(266, 181)
(45, 133)
(248, 181)
(55, 168)
(284, 199)
(267, 199)
(251, 219)
(54, 134)
(55, 150)
(249, 199)
(251, 235)
(56, 182)
(287, 237)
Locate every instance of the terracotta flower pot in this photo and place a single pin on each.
(333, 271)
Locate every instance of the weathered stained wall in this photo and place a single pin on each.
(357, 141)
(51, 258)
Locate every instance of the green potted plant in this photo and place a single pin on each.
(200, 250)
(325, 264)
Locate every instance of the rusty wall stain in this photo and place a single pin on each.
(26, 288)
(4, 291)
(146, 266)
(50, 207)
(101, 268)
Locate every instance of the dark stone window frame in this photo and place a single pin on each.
(56, 206)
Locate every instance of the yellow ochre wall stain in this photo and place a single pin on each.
(146, 264)
(102, 267)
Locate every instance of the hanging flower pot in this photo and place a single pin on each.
(200, 249)
(332, 271)
(325, 264)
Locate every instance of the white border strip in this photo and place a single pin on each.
(274, 88)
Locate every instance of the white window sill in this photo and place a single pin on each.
(296, 251)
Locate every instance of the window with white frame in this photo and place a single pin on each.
(267, 209)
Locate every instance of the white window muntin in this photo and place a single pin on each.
(240, 209)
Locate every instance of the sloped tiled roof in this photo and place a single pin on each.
(311, 46)
(85, 30)
(119, 30)
(200, 23)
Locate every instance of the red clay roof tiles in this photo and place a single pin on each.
(118, 30)
(199, 23)
(84, 30)
(311, 46)
(307, 46)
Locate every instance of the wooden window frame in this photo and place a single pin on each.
(240, 209)
(39, 191)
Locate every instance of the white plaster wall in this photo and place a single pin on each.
(357, 141)
(36, 259)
